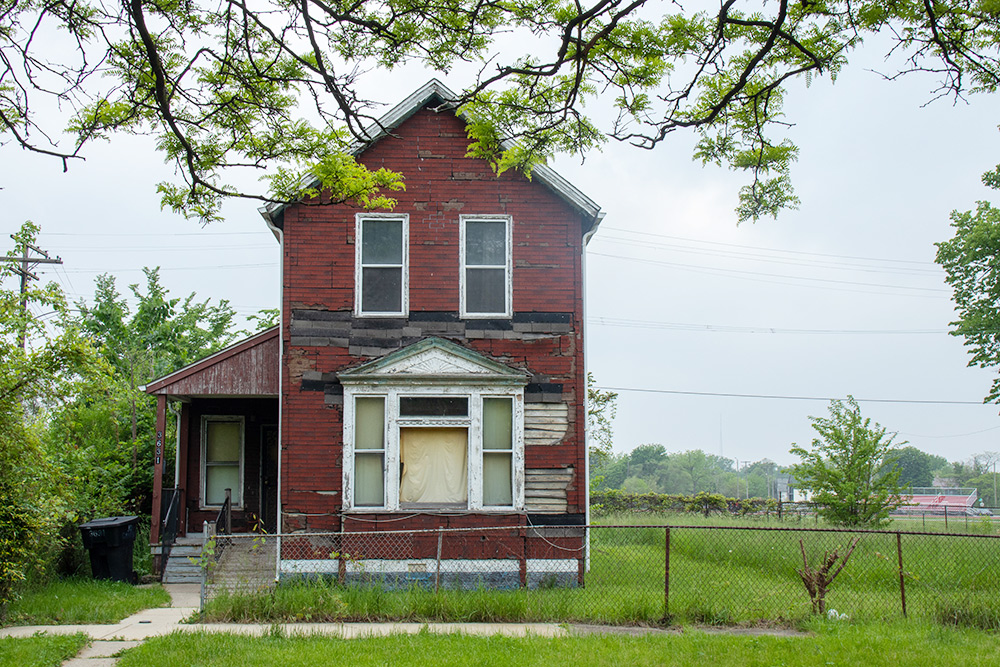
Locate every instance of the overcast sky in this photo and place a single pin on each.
(689, 314)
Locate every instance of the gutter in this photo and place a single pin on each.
(279, 234)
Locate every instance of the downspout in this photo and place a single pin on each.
(586, 399)
(279, 232)
(173, 407)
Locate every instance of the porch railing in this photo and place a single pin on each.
(224, 521)
(171, 519)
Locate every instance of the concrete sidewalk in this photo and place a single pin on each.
(184, 604)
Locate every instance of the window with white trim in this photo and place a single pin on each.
(409, 448)
(485, 257)
(222, 461)
(381, 264)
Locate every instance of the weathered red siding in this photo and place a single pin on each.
(441, 184)
(247, 369)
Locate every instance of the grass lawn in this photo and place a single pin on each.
(831, 644)
(41, 650)
(717, 577)
(77, 600)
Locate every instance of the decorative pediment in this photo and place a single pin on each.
(434, 360)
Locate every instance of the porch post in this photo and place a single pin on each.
(183, 445)
(161, 424)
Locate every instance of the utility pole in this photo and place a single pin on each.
(27, 263)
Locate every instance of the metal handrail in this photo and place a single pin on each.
(224, 521)
(168, 531)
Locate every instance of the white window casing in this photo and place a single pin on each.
(223, 464)
(473, 422)
(379, 264)
(485, 268)
(462, 380)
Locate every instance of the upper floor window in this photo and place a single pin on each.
(381, 264)
(485, 256)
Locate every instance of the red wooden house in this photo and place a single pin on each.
(428, 371)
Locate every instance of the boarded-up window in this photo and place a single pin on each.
(434, 466)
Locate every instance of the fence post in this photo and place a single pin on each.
(341, 561)
(208, 532)
(437, 574)
(666, 576)
(902, 585)
(524, 557)
(946, 518)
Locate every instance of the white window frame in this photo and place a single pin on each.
(359, 220)
(205, 420)
(473, 422)
(463, 220)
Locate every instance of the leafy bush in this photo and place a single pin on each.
(612, 501)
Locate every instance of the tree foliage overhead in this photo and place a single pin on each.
(849, 467)
(227, 86)
(971, 260)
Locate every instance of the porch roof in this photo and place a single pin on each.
(247, 368)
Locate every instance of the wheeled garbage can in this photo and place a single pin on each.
(110, 541)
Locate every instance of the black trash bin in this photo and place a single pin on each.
(109, 542)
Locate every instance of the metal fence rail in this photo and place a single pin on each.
(637, 574)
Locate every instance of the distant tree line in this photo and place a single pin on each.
(650, 468)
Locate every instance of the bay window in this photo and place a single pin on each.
(454, 448)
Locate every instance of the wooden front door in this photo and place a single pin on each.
(269, 477)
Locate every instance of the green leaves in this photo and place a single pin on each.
(971, 260)
(848, 469)
(233, 91)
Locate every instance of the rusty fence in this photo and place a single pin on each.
(626, 574)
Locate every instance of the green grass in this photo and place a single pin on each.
(719, 577)
(40, 650)
(76, 600)
(830, 644)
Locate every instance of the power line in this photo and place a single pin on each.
(202, 267)
(724, 328)
(779, 250)
(768, 275)
(151, 234)
(810, 262)
(957, 435)
(825, 399)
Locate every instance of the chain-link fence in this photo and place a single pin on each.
(629, 574)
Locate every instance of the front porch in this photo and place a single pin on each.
(225, 408)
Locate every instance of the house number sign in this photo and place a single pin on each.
(159, 446)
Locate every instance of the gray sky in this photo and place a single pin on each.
(841, 296)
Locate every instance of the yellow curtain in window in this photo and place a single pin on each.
(435, 468)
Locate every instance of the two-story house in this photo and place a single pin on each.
(428, 370)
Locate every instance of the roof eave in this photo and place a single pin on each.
(417, 100)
